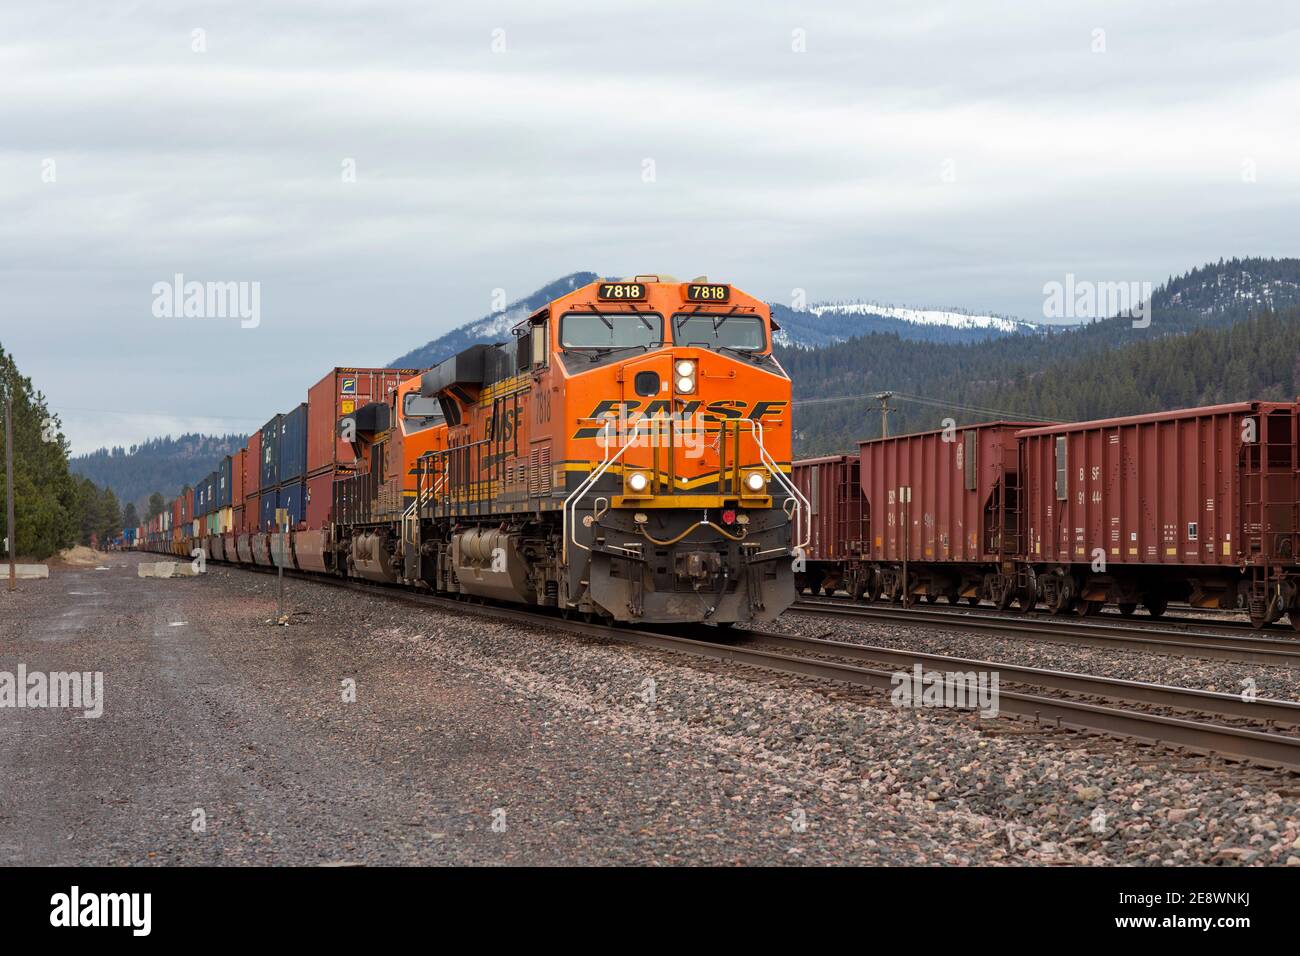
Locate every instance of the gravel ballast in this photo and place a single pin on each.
(227, 739)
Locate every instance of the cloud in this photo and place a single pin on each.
(937, 154)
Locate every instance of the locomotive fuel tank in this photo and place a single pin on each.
(489, 564)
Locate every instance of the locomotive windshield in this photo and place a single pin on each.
(419, 413)
(611, 330)
(719, 330)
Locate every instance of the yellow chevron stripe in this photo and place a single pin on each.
(583, 467)
(507, 386)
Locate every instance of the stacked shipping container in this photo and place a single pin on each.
(340, 392)
(252, 482)
(289, 464)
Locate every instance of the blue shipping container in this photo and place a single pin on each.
(271, 453)
(203, 496)
(224, 483)
(293, 498)
(270, 501)
(293, 444)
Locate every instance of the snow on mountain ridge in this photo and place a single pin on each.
(945, 317)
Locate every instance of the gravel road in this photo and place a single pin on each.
(227, 739)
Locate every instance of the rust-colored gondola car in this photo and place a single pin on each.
(943, 509)
(839, 521)
(1198, 505)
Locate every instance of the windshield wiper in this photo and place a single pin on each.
(593, 352)
(743, 353)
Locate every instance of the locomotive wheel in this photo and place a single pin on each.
(1155, 605)
(871, 593)
(1026, 600)
(1127, 608)
(973, 600)
(1005, 598)
(1089, 608)
(932, 599)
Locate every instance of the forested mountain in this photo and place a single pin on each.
(160, 464)
(828, 324)
(1199, 349)
(821, 324)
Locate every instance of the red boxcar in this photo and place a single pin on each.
(941, 509)
(341, 392)
(839, 526)
(1197, 505)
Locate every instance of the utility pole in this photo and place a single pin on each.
(883, 398)
(283, 515)
(10, 530)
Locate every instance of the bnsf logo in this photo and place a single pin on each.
(712, 413)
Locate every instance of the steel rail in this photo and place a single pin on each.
(1172, 623)
(1265, 710)
(1236, 743)
(1249, 650)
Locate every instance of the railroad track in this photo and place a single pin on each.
(1205, 619)
(792, 656)
(1201, 644)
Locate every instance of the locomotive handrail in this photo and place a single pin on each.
(801, 523)
(802, 507)
(570, 511)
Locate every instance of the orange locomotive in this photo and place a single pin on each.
(627, 456)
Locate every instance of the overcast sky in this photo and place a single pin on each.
(929, 154)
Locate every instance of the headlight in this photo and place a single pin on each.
(755, 481)
(638, 482)
(685, 369)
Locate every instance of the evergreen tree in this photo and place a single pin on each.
(46, 499)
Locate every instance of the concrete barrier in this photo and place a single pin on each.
(166, 569)
(26, 572)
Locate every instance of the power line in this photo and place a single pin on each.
(936, 403)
